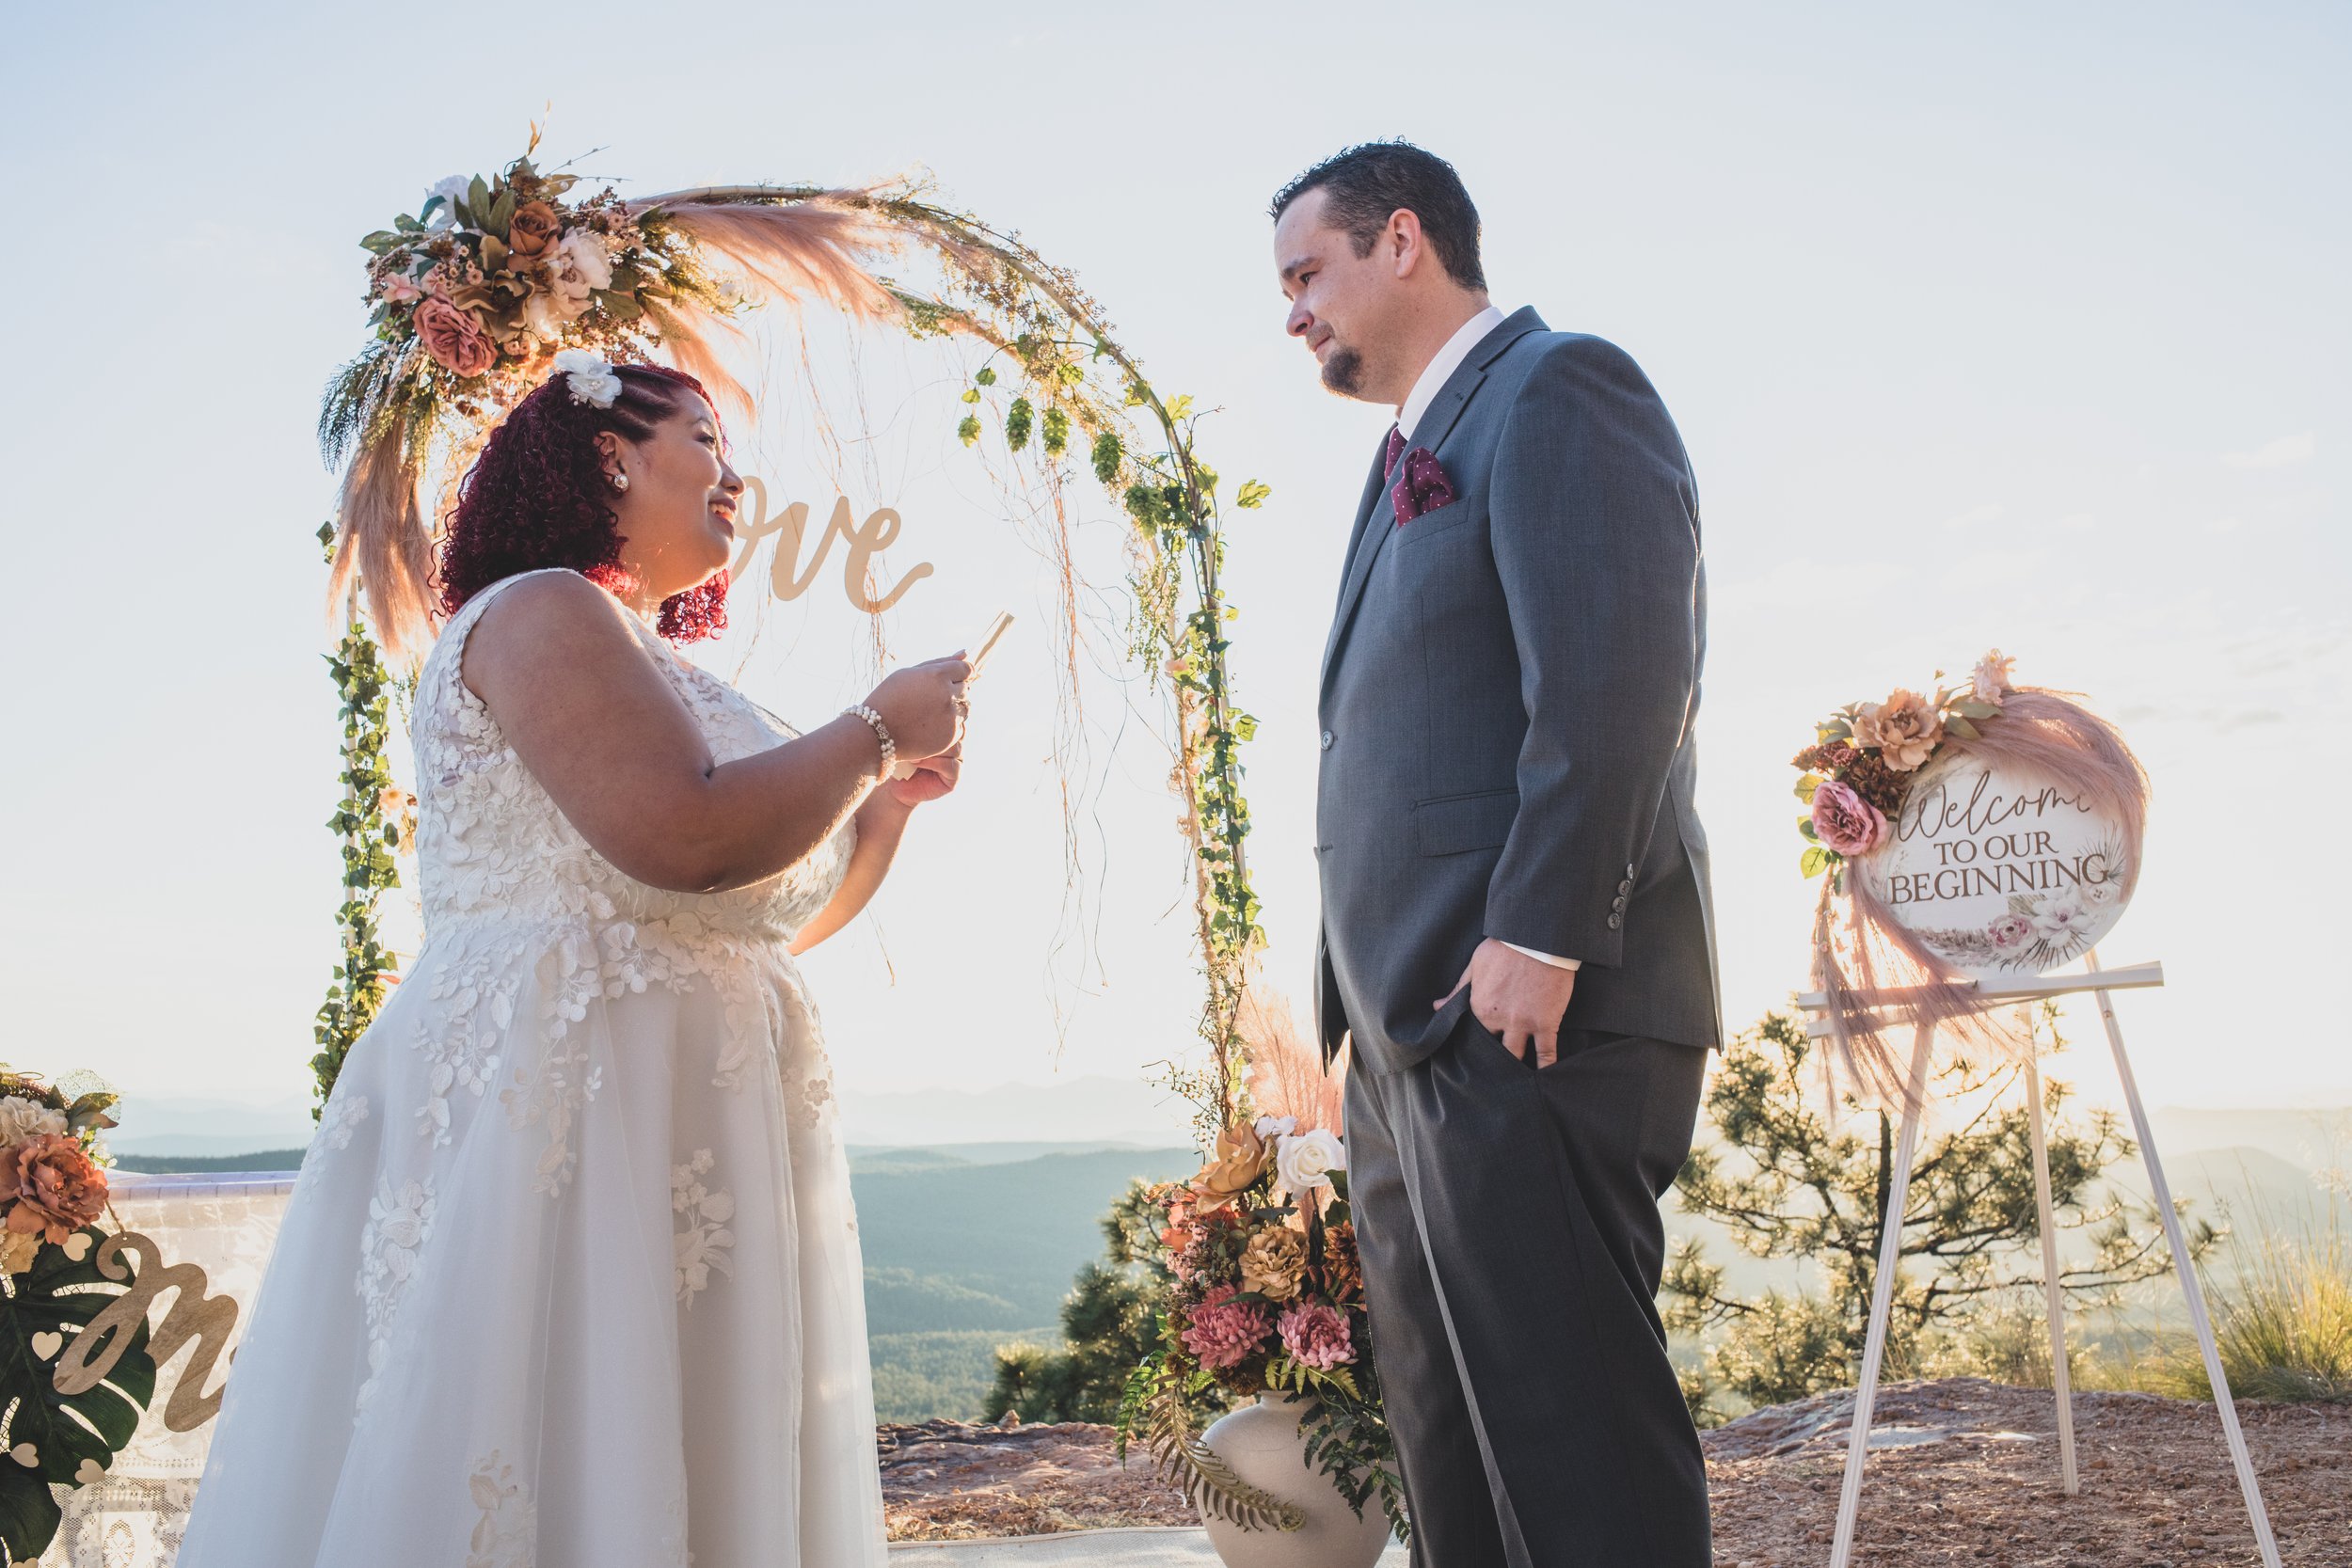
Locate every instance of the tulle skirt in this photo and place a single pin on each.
(571, 1278)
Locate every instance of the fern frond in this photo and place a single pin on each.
(1194, 1468)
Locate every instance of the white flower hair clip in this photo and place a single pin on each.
(592, 380)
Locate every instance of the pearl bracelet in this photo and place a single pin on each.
(881, 733)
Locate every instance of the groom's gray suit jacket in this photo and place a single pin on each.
(1508, 701)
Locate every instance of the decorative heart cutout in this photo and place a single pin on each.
(27, 1455)
(77, 1245)
(47, 1343)
(90, 1474)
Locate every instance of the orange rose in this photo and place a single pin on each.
(55, 1188)
(1241, 1157)
(530, 234)
(1904, 729)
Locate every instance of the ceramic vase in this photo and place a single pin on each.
(1262, 1443)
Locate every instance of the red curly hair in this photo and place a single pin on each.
(537, 496)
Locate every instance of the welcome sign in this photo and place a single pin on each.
(2001, 871)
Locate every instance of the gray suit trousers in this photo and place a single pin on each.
(1509, 1224)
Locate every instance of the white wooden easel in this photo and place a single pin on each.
(2102, 981)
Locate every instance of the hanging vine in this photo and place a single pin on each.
(370, 821)
(1074, 375)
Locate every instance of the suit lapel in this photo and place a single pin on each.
(1375, 517)
(1371, 509)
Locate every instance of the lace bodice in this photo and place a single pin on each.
(492, 847)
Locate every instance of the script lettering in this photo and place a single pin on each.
(789, 527)
(194, 1315)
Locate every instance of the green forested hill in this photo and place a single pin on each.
(962, 1256)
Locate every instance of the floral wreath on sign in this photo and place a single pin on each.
(1878, 974)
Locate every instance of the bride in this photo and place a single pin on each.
(571, 1277)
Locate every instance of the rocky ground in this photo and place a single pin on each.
(953, 1481)
(1961, 1472)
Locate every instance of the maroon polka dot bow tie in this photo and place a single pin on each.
(1423, 488)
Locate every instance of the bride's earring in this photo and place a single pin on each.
(620, 482)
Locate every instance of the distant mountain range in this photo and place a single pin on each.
(1095, 1112)
(974, 1229)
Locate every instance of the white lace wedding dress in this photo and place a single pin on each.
(571, 1278)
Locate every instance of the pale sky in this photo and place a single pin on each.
(2012, 326)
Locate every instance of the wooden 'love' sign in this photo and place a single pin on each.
(865, 540)
(2001, 872)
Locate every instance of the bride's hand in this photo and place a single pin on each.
(923, 706)
(934, 777)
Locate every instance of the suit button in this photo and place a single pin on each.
(1625, 886)
(1629, 869)
(1326, 740)
(1616, 920)
(1617, 903)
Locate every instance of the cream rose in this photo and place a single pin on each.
(21, 1119)
(452, 191)
(1305, 1161)
(578, 266)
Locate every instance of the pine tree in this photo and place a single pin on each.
(1787, 1184)
(1108, 1322)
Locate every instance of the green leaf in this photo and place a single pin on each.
(29, 1512)
(971, 394)
(1816, 860)
(1805, 826)
(1956, 725)
(968, 429)
(1969, 707)
(1252, 495)
(985, 376)
(1018, 423)
(1806, 785)
(477, 203)
(1180, 407)
(503, 214)
(618, 305)
(1057, 431)
(54, 1296)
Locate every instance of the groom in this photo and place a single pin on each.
(1515, 923)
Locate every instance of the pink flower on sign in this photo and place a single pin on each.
(2009, 933)
(1317, 1336)
(1224, 1331)
(1846, 822)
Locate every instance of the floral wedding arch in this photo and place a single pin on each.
(473, 296)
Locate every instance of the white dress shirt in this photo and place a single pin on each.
(1433, 377)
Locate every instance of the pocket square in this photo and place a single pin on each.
(1424, 487)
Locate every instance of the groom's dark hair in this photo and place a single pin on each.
(1365, 184)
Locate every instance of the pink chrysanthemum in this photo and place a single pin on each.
(1223, 1331)
(1317, 1336)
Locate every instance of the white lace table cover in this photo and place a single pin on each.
(225, 1225)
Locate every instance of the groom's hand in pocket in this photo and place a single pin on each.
(1519, 998)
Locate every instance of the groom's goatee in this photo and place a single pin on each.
(1344, 372)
